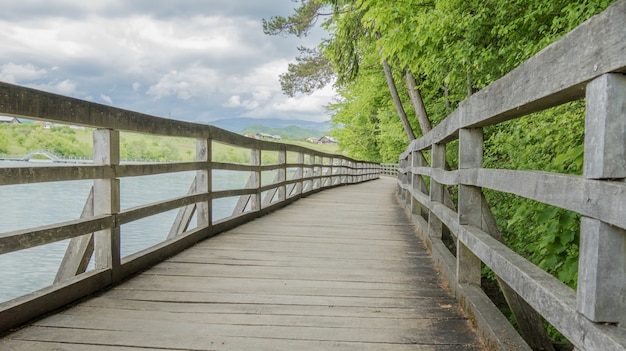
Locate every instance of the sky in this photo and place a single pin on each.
(192, 60)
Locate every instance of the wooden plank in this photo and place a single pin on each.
(27, 238)
(27, 175)
(14, 345)
(419, 332)
(79, 250)
(284, 286)
(139, 212)
(158, 168)
(181, 308)
(184, 215)
(603, 200)
(201, 340)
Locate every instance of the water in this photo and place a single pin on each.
(32, 205)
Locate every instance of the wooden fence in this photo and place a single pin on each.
(590, 63)
(389, 169)
(294, 171)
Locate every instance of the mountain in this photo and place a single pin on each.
(238, 125)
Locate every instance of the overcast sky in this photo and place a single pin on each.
(194, 60)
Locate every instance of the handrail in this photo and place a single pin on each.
(588, 62)
(297, 172)
(389, 169)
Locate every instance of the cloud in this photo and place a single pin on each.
(193, 82)
(194, 60)
(13, 73)
(106, 99)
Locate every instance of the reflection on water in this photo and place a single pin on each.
(32, 205)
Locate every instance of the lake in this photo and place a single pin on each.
(32, 205)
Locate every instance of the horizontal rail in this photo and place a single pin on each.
(25, 239)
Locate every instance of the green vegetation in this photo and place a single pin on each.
(441, 52)
(17, 140)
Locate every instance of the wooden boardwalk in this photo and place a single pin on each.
(340, 269)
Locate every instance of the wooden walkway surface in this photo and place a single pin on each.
(340, 269)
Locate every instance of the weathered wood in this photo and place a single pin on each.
(544, 293)
(158, 168)
(605, 126)
(204, 184)
(603, 200)
(602, 259)
(140, 212)
(360, 280)
(17, 312)
(106, 172)
(468, 266)
(28, 175)
(79, 250)
(529, 321)
(27, 238)
(106, 192)
(184, 215)
(435, 228)
(602, 272)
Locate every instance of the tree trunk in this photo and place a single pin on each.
(396, 100)
(418, 103)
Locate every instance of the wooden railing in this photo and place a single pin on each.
(389, 169)
(590, 63)
(294, 172)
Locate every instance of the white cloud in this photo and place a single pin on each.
(65, 87)
(106, 99)
(13, 73)
(193, 82)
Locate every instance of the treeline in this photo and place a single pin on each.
(20, 139)
(401, 67)
(17, 140)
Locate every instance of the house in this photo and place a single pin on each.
(9, 120)
(327, 140)
(267, 136)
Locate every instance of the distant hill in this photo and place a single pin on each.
(239, 125)
(289, 132)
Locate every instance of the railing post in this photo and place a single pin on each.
(255, 160)
(470, 198)
(301, 168)
(106, 151)
(282, 175)
(435, 227)
(417, 182)
(602, 260)
(203, 182)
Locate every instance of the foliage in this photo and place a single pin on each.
(311, 72)
(548, 141)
